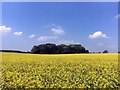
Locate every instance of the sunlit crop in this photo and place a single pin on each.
(59, 71)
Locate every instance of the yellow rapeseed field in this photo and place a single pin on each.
(59, 70)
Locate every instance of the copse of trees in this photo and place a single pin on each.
(58, 49)
(11, 51)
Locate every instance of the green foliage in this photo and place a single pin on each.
(59, 71)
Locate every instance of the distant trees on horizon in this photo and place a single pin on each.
(11, 51)
(50, 48)
(14, 51)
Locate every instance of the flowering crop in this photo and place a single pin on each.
(59, 70)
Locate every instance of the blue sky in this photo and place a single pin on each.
(93, 25)
(60, 0)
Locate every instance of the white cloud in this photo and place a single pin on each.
(45, 38)
(18, 33)
(4, 29)
(98, 34)
(58, 31)
(31, 36)
(68, 42)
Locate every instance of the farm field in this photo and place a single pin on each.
(59, 71)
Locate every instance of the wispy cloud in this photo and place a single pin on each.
(5, 29)
(58, 31)
(32, 36)
(45, 38)
(98, 34)
(100, 44)
(18, 33)
(117, 16)
(49, 25)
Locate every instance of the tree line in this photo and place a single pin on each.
(50, 48)
(15, 51)
(58, 49)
